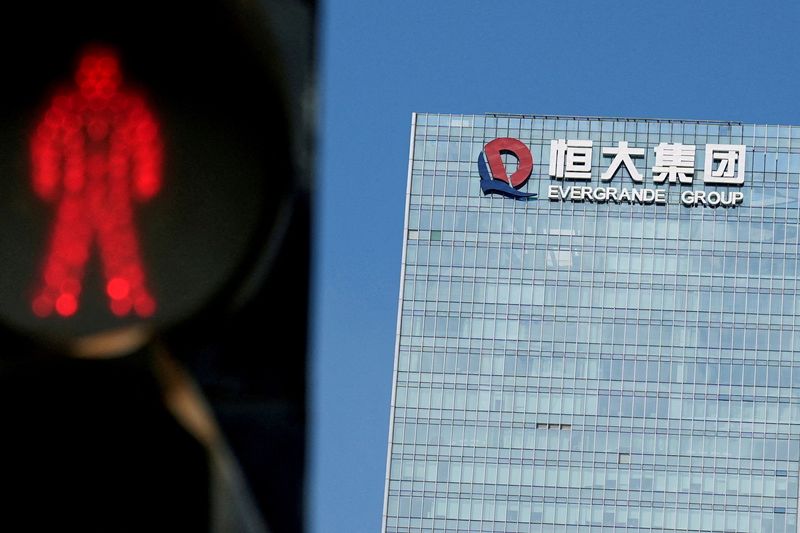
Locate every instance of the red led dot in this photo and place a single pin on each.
(60, 101)
(71, 286)
(97, 129)
(148, 187)
(71, 212)
(145, 306)
(75, 253)
(42, 306)
(118, 288)
(55, 275)
(121, 307)
(96, 166)
(134, 273)
(66, 305)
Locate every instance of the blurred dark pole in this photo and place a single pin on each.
(254, 374)
(259, 395)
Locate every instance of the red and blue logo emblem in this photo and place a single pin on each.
(495, 178)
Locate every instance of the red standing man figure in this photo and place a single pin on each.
(96, 151)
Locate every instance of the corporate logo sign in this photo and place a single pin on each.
(495, 179)
(571, 161)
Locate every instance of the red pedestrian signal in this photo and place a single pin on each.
(96, 151)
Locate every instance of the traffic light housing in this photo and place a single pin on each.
(218, 219)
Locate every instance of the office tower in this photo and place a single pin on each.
(597, 327)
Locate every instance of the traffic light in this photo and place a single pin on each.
(154, 160)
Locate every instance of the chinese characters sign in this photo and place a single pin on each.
(675, 164)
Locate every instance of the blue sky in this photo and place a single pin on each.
(380, 61)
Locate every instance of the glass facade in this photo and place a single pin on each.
(585, 366)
